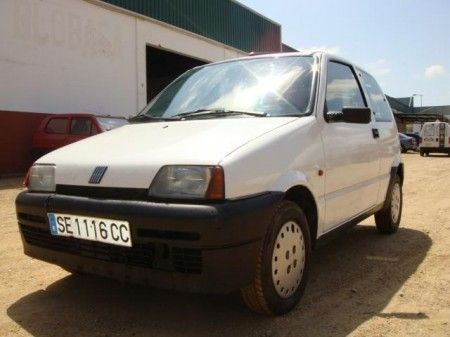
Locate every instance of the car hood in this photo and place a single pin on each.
(134, 153)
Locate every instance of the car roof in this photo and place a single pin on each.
(320, 54)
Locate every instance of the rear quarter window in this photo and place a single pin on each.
(81, 126)
(378, 103)
(57, 125)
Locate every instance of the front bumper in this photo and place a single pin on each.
(209, 248)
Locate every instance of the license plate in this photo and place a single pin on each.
(115, 232)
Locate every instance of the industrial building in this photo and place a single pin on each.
(108, 57)
(411, 118)
(111, 57)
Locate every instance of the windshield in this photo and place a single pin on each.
(272, 86)
(108, 123)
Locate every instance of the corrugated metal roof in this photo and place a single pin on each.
(433, 110)
(426, 113)
(225, 21)
(408, 101)
(287, 49)
(398, 105)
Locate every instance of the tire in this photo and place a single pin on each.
(421, 153)
(403, 150)
(388, 219)
(287, 242)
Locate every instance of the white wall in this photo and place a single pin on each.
(75, 56)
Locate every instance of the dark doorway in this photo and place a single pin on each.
(163, 67)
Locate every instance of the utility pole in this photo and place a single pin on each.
(420, 99)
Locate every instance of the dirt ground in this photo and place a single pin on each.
(361, 284)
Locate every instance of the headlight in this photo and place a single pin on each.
(41, 178)
(189, 182)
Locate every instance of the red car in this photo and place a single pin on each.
(56, 131)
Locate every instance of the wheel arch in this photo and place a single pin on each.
(397, 168)
(304, 198)
(400, 172)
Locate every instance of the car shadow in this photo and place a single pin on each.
(437, 155)
(352, 279)
(11, 183)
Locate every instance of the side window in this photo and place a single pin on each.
(378, 102)
(81, 126)
(57, 125)
(342, 88)
(94, 129)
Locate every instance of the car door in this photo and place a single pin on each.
(430, 135)
(384, 128)
(55, 133)
(351, 151)
(442, 135)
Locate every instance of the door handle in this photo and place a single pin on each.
(375, 133)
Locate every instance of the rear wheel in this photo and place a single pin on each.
(388, 219)
(421, 153)
(282, 268)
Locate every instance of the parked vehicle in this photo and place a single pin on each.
(225, 181)
(59, 130)
(415, 136)
(407, 143)
(435, 138)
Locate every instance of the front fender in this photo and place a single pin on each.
(290, 179)
(293, 178)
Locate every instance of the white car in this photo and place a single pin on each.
(225, 181)
(435, 138)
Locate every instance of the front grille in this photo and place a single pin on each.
(117, 193)
(181, 260)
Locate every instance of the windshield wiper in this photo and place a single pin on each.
(144, 117)
(221, 112)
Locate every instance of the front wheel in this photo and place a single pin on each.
(282, 267)
(388, 219)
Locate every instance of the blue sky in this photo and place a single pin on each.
(405, 44)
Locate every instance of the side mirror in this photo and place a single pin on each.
(350, 115)
(356, 115)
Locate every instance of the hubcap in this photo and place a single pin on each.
(395, 203)
(288, 259)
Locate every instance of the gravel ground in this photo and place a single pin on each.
(361, 283)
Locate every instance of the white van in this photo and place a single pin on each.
(225, 181)
(435, 138)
